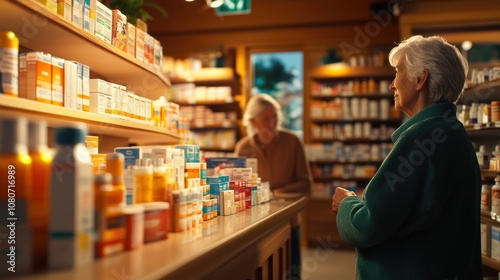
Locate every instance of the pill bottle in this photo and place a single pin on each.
(15, 175)
(115, 165)
(495, 197)
(143, 181)
(9, 65)
(71, 224)
(486, 197)
(159, 180)
(41, 160)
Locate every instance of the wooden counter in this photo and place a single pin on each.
(253, 244)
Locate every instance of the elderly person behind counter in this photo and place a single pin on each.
(280, 157)
(419, 216)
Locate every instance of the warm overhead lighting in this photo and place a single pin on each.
(189, 0)
(466, 45)
(215, 3)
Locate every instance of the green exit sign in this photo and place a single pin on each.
(234, 7)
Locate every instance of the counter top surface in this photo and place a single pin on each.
(200, 249)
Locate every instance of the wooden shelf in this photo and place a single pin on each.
(350, 141)
(227, 245)
(481, 93)
(206, 103)
(38, 29)
(340, 71)
(224, 75)
(213, 127)
(489, 262)
(330, 178)
(333, 161)
(335, 120)
(98, 124)
(374, 95)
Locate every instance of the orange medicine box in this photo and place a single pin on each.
(156, 221)
(39, 77)
(99, 162)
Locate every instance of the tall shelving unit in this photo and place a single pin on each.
(343, 149)
(218, 131)
(485, 134)
(38, 29)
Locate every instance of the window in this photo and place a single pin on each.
(280, 74)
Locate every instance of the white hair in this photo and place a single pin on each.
(445, 64)
(257, 104)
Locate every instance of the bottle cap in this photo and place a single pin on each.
(143, 162)
(482, 149)
(37, 140)
(115, 165)
(497, 179)
(158, 162)
(13, 133)
(71, 135)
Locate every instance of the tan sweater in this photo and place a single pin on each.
(282, 163)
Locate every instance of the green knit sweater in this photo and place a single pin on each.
(419, 217)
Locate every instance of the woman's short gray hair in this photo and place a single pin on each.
(445, 64)
(256, 104)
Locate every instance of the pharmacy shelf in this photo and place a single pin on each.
(98, 124)
(333, 161)
(349, 141)
(39, 29)
(233, 245)
(337, 120)
(374, 95)
(209, 75)
(337, 71)
(481, 93)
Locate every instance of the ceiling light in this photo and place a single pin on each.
(466, 45)
(215, 3)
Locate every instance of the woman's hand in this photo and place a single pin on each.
(338, 196)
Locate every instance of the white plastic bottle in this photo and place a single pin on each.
(71, 200)
(495, 197)
(482, 157)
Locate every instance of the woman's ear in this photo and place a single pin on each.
(422, 79)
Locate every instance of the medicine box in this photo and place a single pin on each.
(104, 21)
(79, 86)
(131, 154)
(92, 144)
(100, 99)
(77, 13)
(89, 15)
(216, 164)
(495, 243)
(99, 162)
(484, 244)
(57, 81)
(70, 72)
(139, 44)
(85, 88)
(119, 30)
(130, 39)
(39, 77)
(64, 9)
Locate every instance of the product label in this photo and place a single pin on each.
(9, 71)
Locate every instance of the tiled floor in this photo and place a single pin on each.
(328, 263)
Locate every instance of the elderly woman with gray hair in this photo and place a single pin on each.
(280, 158)
(419, 216)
